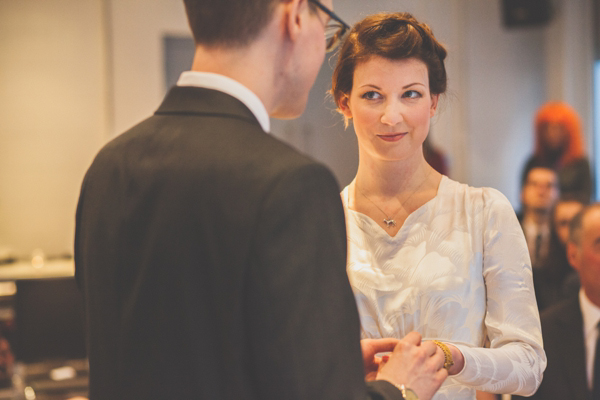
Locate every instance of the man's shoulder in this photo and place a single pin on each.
(222, 137)
(227, 152)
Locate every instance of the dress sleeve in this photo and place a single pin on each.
(516, 360)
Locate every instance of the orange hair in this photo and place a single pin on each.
(563, 115)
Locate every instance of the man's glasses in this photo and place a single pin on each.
(335, 29)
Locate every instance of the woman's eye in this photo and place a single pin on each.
(412, 94)
(371, 95)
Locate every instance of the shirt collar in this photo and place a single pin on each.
(590, 312)
(231, 87)
(535, 229)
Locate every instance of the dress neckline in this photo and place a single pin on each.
(370, 221)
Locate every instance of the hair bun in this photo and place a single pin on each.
(394, 36)
(441, 51)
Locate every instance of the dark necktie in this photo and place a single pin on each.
(537, 250)
(596, 381)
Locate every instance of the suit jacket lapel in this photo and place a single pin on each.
(573, 351)
(189, 100)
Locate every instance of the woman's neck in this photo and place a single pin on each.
(393, 178)
(389, 191)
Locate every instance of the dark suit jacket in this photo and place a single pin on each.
(565, 375)
(212, 261)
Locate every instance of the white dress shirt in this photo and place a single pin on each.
(209, 80)
(591, 317)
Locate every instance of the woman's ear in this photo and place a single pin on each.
(344, 106)
(434, 103)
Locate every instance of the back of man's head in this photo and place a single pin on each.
(576, 224)
(583, 252)
(228, 23)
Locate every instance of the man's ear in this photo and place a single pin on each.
(573, 255)
(434, 103)
(344, 106)
(293, 12)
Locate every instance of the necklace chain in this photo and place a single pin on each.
(391, 222)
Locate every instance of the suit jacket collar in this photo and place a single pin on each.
(573, 351)
(188, 100)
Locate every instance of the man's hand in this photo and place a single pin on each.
(418, 366)
(370, 347)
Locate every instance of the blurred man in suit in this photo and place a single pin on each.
(570, 328)
(539, 192)
(212, 255)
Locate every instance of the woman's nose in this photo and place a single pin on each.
(392, 114)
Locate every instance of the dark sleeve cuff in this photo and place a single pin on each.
(383, 390)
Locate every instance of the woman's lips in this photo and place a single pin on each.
(392, 137)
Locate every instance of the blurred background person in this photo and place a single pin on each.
(539, 192)
(559, 144)
(555, 279)
(570, 328)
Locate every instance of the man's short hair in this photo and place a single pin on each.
(531, 166)
(228, 23)
(576, 224)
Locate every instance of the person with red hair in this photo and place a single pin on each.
(559, 145)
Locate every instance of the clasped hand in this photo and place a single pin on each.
(415, 364)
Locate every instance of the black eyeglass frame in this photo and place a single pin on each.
(335, 39)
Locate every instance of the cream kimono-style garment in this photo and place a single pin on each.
(459, 271)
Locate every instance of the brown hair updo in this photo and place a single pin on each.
(393, 36)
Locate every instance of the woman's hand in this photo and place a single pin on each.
(458, 358)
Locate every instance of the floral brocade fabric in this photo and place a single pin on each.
(457, 271)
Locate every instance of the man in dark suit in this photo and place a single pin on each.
(539, 192)
(570, 328)
(211, 255)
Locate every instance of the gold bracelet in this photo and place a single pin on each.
(448, 362)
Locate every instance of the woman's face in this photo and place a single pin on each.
(554, 136)
(390, 106)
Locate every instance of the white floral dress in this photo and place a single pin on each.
(458, 270)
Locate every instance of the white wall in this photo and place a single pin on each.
(52, 117)
(505, 71)
(569, 58)
(75, 73)
(137, 30)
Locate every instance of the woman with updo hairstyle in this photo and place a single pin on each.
(559, 144)
(426, 253)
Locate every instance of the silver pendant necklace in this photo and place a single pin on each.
(391, 222)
